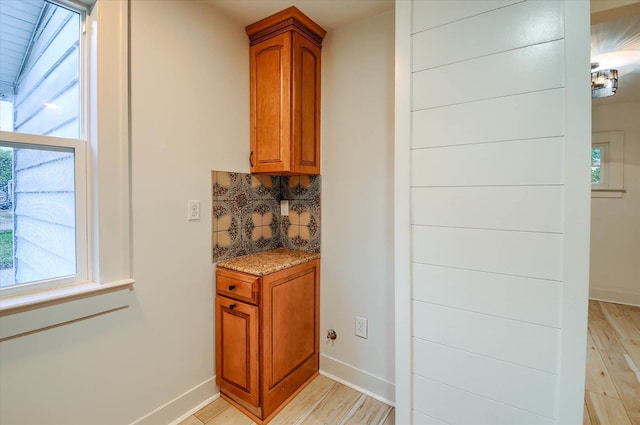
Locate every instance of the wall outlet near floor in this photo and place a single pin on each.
(193, 210)
(361, 327)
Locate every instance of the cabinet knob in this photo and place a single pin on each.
(251, 159)
(232, 287)
(232, 306)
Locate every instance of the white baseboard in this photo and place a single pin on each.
(358, 379)
(614, 297)
(183, 406)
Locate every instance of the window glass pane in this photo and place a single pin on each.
(37, 225)
(596, 165)
(40, 68)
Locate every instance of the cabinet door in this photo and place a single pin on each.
(290, 326)
(306, 106)
(237, 349)
(270, 75)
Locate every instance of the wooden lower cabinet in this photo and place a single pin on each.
(267, 336)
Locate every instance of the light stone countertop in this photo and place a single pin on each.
(263, 263)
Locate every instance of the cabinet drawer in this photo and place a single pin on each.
(236, 285)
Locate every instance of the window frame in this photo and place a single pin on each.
(80, 148)
(107, 188)
(611, 144)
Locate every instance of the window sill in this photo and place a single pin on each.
(39, 310)
(607, 193)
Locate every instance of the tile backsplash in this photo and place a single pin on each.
(247, 219)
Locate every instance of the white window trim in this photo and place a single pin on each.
(109, 266)
(611, 164)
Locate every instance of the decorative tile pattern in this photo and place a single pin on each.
(301, 187)
(260, 225)
(226, 231)
(246, 213)
(263, 187)
(301, 230)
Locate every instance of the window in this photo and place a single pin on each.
(63, 176)
(44, 237)
(607, 164)
(596, 165)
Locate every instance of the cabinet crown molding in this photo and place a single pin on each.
(290, 19)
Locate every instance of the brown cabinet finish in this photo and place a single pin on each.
(267, 351)
(237, 348)
(285, 65)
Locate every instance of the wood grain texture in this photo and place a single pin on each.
(606, 410)
(612, 389)
(368, 411)
(267, 353)
(323, 401)
(285, 66)
(597, 376)
(301, 405)
(333, 407)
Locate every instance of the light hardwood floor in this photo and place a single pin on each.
(323, 401)
(612, 387)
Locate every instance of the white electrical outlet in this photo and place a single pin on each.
(284, 207)
(193, 212)
(361, 327)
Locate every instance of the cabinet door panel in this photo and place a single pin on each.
(290, 331)
(292, 324)
(270, 104)
(306, 105)
(237, 348)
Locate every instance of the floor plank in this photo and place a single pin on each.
(633, 350)
(586, 419)
(605, 410)
(597, 379)
(614, 334)
(323, 401)
(191, 420)
(230, 416)
(625, 381)
(304, 402)
(391, 418)
(369, 412)
(333, 407)
(212, 410)
(633, 314)
(619, 321)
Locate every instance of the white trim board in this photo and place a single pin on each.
(617, 297)
(192, 400)
(357, 379)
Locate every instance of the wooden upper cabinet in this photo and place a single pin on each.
(285, 93)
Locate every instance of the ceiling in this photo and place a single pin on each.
(616, 26)
(323, 12)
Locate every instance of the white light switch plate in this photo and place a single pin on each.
(284, 207)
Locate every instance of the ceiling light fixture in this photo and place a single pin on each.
(604, 83)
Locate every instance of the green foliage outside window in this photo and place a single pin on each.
(596, 155)
(6, 156)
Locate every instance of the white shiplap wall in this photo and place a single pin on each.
(488, 211)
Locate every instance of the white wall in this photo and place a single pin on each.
(615, 222)
(357, 202)
(499, 211)
(189, 115)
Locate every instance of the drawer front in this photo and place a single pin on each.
(236, 285)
